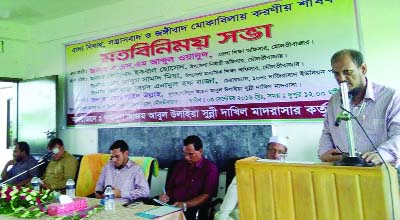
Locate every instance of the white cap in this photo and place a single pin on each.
(278, 140)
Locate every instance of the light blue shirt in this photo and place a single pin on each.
(130, 180)
(380, 119)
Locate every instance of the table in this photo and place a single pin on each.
(120, 213)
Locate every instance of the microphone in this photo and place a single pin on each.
(338, 120)
(49, 154)
(342, 116)
(344, 94)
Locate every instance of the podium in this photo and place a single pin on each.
(293, 191)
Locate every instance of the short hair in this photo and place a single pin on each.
(355, 55)
(121, 144)
(53, 142)
(195, 140)
(23, 146)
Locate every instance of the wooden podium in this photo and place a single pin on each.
(290, 191)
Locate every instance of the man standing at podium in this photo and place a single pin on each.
(376, 107)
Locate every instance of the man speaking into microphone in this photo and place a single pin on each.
(376, 107)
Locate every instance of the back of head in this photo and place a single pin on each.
(355, 55)
(195, 140)
(53, 142)
(119, 144)
(24, 147)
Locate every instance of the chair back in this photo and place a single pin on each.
(149, 166)
(230, 170)
(78, 157)
(89, 172)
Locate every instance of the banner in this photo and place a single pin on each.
(269, 61)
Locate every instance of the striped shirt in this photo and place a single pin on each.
(130, 180)
(380, 118)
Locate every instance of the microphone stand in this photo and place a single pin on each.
(352, 159)
(26, 171)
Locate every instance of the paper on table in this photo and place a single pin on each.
(158, 212)
(64, 199)
(278, 161)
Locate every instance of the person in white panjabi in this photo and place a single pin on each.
(276, 148)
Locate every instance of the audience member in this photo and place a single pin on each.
(22, 161)
(123, 175)
(276, 147)
(193, 180)
(62, 167)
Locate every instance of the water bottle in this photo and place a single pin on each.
(109, 201)
(70, 188)
(35, 184)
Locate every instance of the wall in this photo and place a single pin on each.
(380, 32)
(378, 24)
(16, 40)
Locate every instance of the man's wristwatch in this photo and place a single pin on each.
(184, 206)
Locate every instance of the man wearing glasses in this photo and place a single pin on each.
(193, 180)
(62, 167)
(376, 108)
(276, 150)
(124, 176)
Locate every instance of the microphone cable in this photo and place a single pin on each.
(376, 150)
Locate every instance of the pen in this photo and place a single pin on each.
(337, 154)
(337, 147)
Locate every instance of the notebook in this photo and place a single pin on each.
(158, 212)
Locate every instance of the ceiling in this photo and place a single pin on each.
(29, 12)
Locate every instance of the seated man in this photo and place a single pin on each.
(229, 211)
(193, 181)
(62, 167)
(22, 161)
(123, 175)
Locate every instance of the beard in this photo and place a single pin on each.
(122, 165)
(119, 167)
(355, 92)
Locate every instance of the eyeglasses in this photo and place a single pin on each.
(275, 151)
(188, 154)
(345, 73)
